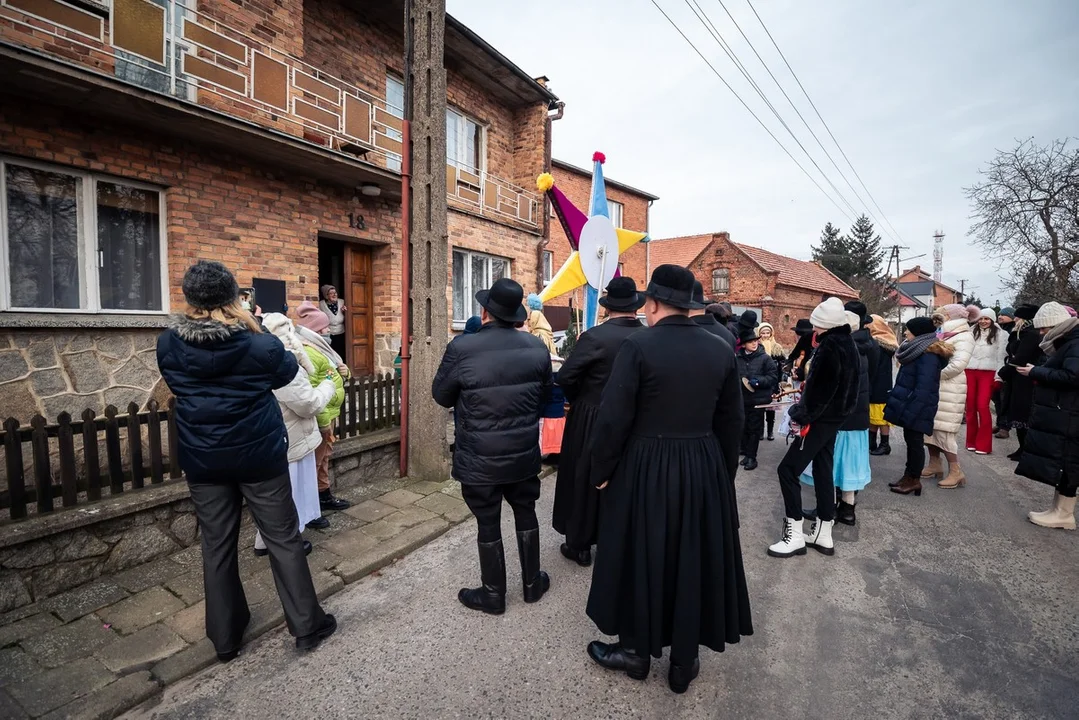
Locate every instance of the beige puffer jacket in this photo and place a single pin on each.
(953, 379)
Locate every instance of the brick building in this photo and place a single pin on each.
(920, 285)
(780, 289)
(137, 136)
(628, 209)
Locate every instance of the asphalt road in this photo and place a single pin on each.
(947, 605)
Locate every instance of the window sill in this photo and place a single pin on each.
(58, 321)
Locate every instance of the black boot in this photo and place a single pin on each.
(750, 463)
(581, 557)
(616, 657)
(680, 676)
(885, 447)
(491, 597)
(536, 582)
(872, 441)
(328, 501)
(844, 513)
(771, 427)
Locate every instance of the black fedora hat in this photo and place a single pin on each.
(698, 296)
(858, 308)
(748, 334)
(672, 285)
(748, 319)
(622, 295)
(503, 301)
(803, 327)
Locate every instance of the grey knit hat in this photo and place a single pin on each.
(209, 285)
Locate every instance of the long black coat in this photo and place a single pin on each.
(868, 360)
(669, 569)
(913, 401)
(880, 383)
(1018, 398)
(759, 366)
(708, 322)
(799, 357)
(1051, 450)
(582, 378)
(496, 380)
(831, 388)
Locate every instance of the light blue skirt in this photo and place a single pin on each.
(851, 469)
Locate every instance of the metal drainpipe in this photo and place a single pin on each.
(648, 245)
(542, 245)
(406, 239)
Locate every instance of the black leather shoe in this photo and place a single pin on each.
(615, 657)
(751, 464)
(312, 641)
(327, 501)
(581, 557)
(680, 676)
(319, 523)
(227, 656)
(536, 582)
(771, 437)
(1015, 456)
(263, 552)
(491, 596)
(844, 513)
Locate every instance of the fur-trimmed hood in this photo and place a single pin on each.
(202, 332)
(941, 348)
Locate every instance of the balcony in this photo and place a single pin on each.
(170, 48)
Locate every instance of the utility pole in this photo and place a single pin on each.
(428, 243)
(938, 256)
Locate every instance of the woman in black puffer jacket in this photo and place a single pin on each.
(233, 447)
(1024, 348)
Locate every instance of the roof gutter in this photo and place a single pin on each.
(472, 37)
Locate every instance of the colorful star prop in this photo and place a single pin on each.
(597, 243)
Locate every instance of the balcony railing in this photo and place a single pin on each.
(170, 47)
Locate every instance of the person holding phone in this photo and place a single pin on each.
(1024, 348)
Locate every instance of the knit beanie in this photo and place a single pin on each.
(533, 302)
(921, 326)
(309, 316)
(1050, 315)
(988, 313)
(209, 285)
(829, 314)
(858, 308)
(1026, 312)
(853, 320)
(973, 313)
(955, 311)
(1007, 312)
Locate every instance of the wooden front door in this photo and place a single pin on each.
(359, 298)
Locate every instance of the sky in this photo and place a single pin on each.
(920, 95)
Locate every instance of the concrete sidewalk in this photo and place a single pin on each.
(947, 605)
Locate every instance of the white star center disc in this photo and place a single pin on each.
(598, 241)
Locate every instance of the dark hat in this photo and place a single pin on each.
(803, 327)
(858, 308)
(747, 334)
(748, 319)
(504, 300)
(921, 326)
(1006, 312)
(622, 295)
(208, 285)
(698, 295)
(1026, 312)
(473, 325)
(672, 285)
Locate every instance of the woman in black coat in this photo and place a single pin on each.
(233, 446)
(760, 376)
(1024, 348)
(912, 403)
(881, 386)
(1051, 453)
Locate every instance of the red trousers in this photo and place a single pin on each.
(979, 418)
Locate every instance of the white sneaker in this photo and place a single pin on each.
(820, 537)
(793, 542)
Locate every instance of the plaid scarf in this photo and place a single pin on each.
(911, 350)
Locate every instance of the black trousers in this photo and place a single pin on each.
(915, 452)
(817, 447)
(996, 398)
(218, 507)
(485, 502)
(752, 431)
(770, 420)
(1067, 487)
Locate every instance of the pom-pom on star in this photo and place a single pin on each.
(599, 157)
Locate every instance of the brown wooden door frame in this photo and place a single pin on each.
(358, 271)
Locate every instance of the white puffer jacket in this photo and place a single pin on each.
(300, 403)
(953, 379)
(986, 356)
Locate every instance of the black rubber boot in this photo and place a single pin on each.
(536, 582)
(885, 447)
(491, 596)
(872, 441)
(771, 427)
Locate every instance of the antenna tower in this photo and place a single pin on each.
(938, 255)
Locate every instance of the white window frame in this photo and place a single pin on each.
(615, 208)
(393, 162)
(89, 249)
(462, 138)
(724, 273)
(470, 292)
(548, 267)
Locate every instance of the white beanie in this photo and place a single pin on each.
(988, 313)
(853, 320)
(829, 314)
(1050, 315)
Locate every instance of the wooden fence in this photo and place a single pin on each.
(41, 460)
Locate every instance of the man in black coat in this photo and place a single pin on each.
(829, 395)
(496, 380)
(759, 376)
(706, 319)
(582, 378)
(869, 360)
(669, 572)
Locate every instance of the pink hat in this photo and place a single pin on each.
(954, 311)
(1071, 311)
(309, 316)
(974, 313)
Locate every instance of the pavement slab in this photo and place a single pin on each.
(16, 665)
(399, 498)
(371, 511)
(65, 644)
(55, 688)
(190, 587)
(947, 605)
(109, 701)
(141, 610)
(27, 627)
(152, 573)
(391, 525)
(84, 600)
(142, 650)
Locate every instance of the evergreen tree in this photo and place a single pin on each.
(863, 243)
(834, 253)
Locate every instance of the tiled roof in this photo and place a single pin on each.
(799, 273)
(678, 250)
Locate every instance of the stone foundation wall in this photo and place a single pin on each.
(357, 465)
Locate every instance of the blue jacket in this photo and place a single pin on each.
(228, 422)
(912, 403)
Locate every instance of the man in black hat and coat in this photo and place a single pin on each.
(582, 378)
(496, 380)
(706, 319)
(669, 573)
(759, 376)
(802, 352)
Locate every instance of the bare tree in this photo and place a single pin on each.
(1026, 214)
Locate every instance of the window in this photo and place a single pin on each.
(464, 142)
(721, 280)
(395, 105)
(473, 272)
(548, 266)
(614, 211)
(78, 242)
(153, 75)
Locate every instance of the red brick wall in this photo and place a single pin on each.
(279, 23)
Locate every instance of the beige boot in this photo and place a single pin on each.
(935, 468)
(955, 479)
(1061, 516)
(1045, 514)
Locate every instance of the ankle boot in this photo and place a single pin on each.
(615, 657)
(820, 537)
(792, 543)
(885, 447)
(844, 513)
(955, 479)
(491, 596)
(909, 485)
(934, 469)
(872, 441)
(1062, 514)
(680, 676)
(536, 582)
